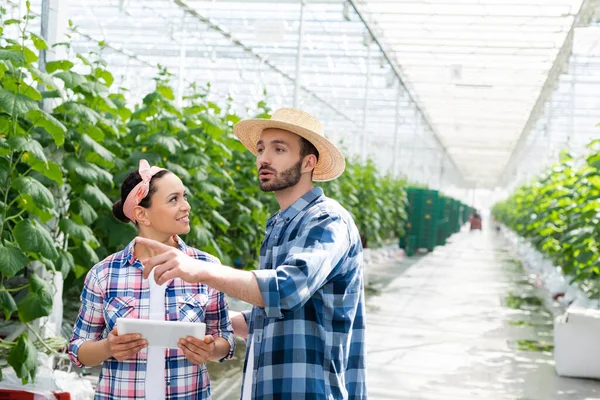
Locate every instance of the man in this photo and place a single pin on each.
(305, 333)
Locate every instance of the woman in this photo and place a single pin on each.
(155, 200)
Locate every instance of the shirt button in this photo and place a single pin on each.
(168, 383)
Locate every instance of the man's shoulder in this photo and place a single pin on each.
(330, 207)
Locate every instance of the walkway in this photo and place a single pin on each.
(464, 322)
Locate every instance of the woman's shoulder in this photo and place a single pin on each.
(101, 270)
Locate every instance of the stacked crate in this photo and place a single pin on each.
(432, 218)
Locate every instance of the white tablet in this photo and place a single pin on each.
(161, 333)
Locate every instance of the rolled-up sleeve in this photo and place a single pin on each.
(218, 323)
(90, 321)
(310, 261)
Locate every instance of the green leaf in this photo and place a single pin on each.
(166, 91)
(50, 170)
(3, 69)
(118, 233)
(103, 175)
(84, 210)
(12, 260)
(211, 124)
(27, 203)
(7, 302)
(53, 126)
(93, 88)
(84, 59)
(96, 197)
(104, 75)
(71, 79)
(80, 232)
(30, 56)
(178, 170)
(49, 264)
(15, 84)
(24, 359)
(82, 169)
(94, 132)
(199, 235)
(144, 113)
(169, 143)
(13, 56)
(38, 42)
(15, 105)
(191, 160)
(94, 146)
(34, 306)
(86, 255)
(34, 238)
(64, 65)
(52, 94)
(32, 146)
(65, 263)
(220, 221)
(43, 78)
(4, 169)
(34, 188)
(80, 271)
(84, 112)
(38, 286)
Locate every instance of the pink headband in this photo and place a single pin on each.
(140, 190)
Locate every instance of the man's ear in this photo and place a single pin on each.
(309, 163)
(141, 216)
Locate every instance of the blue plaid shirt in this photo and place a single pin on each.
(309, 337)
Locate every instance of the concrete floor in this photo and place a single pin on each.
(464, 322)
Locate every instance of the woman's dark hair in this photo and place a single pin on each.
(130, 182)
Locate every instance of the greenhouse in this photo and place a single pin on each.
(403, 195)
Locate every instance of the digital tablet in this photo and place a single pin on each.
(161, 333)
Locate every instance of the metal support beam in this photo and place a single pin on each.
(396, 70)
(583, 17)
(396, 132)
(364, 151)
(182, 57)
(300, 51)
(52, 29)
(211, 24)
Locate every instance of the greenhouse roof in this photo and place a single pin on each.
(448, 93)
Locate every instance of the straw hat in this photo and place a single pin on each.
(331, 162)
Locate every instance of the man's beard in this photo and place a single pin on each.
(288, 178)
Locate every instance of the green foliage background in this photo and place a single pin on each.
(68, 138)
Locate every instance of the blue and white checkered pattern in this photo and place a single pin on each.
(116, 288)
(309, 337)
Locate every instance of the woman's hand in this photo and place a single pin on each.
(197, 351)
(170, 263)
(123, 347)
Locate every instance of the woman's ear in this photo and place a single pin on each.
(141, 216)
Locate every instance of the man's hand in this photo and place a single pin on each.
(170, 263)
(123, 347)
(197, 351)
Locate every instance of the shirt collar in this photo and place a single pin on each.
(128, 256)
(290, 213)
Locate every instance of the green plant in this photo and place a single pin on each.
(68, 138)
(558, 213)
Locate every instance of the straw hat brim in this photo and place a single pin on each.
(331, 162)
